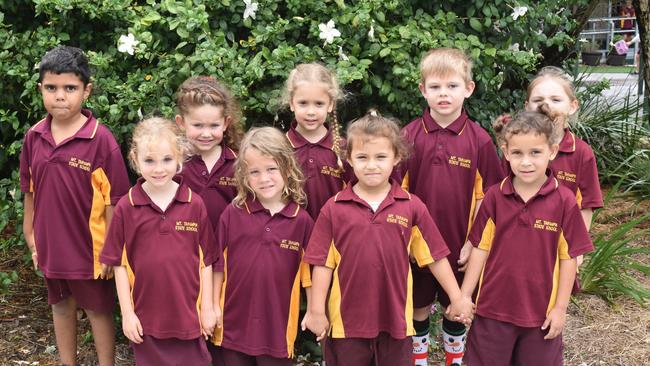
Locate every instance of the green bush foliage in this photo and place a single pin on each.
(375, 57)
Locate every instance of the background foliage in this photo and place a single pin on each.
(375, 57)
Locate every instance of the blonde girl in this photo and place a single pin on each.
(262, 236)
(575, 164)
(161, 246)
(311, 92)
(210, 117)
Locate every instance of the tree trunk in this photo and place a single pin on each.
(642, 8)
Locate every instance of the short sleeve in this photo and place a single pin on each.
(482, 231)
(26, 184)
(574, 230)
(305, 272)
(118, 179)
(222, 240)
(115, 239)
(207, 241)
(589, 184)
(489, 171)
(321, 240)
(426, 242)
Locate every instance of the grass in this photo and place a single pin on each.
(605, 69)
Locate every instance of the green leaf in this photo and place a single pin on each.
(475, 24)
(384, 52)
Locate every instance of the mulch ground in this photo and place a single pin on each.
(597, 333)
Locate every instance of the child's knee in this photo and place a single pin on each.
(65, 308)
(99, 316)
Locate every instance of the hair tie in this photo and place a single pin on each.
(506, 118)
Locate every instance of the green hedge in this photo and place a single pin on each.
(375, 57)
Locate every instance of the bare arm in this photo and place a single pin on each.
(130, 323)
(556, 318)
(466, 250)
(473, 273)
(107, 271)
(460, 309)
(217, 283)
(28, 226)
(208, 315)
(315, 319)
(587, 215)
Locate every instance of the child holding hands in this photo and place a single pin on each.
(361, 245)
(526, 237)
(262, 236)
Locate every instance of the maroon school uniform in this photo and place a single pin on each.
(262, 265)
(526, 241)
(218, 187)
(163, 252)
(72, 182)
(449, 169)
(575, 168)
(369, 253)
(323, 176)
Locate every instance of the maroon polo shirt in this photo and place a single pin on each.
(163, 252)
(72, 183)
(218, 187)
(369, 252)
(323, 176)
(450, 169)
(575, 167)
(263, 269)
(526, 241)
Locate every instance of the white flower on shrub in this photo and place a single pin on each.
(127, 43)
(342, 55)
(371, 32)
(250, 10)
(328, 31)
(513, 47)
(518, 11)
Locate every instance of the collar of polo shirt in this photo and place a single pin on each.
(138, 197)
(550, 185)
(457, 126)
(568, 143)
(297, 140)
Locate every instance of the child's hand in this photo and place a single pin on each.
(132, 328)
(461, 310)
(107, 272)
(316, 323)
(463, 259)
(208, 321)
(219, 313)
(556, 319)
(35, 259)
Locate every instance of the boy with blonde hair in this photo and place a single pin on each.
(453, 163)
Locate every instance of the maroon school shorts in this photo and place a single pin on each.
(95, 295)
(383, 350)
(171, 352)
(227, 357)
(426, 288)
(495, 343)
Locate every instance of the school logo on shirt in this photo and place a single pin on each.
(547, 225)
(397, 219)
(78, 163)
(334, 172)
(227, 181)
(566, 176)
(187, 226)
(290, 244)
(461, 162)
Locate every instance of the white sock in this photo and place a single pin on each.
(454, 348)
(420, 349)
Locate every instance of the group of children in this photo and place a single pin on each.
(222, 229)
